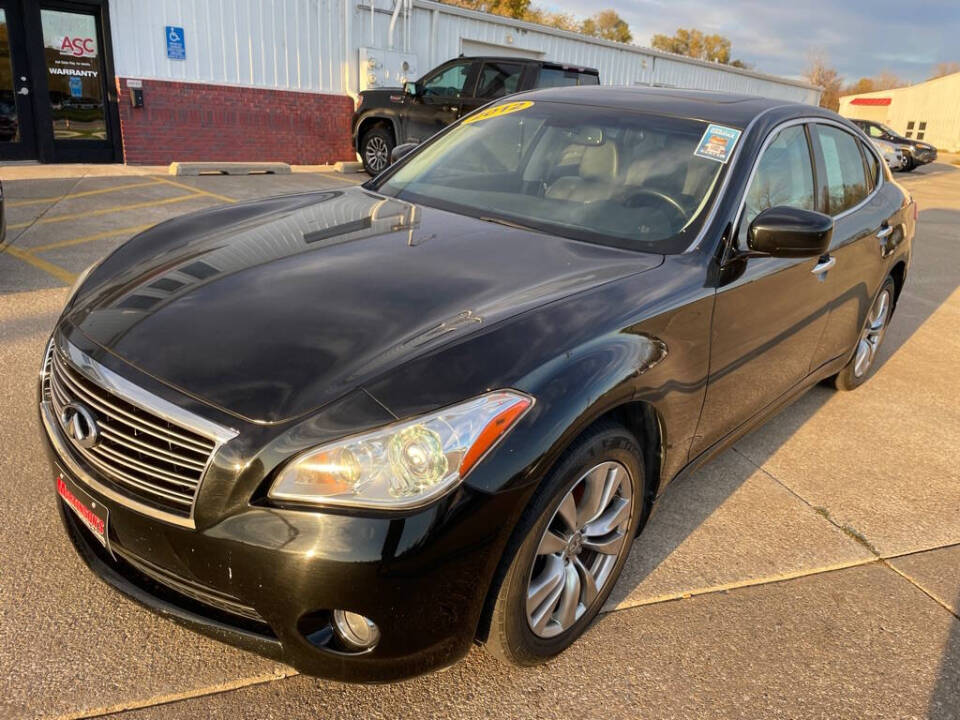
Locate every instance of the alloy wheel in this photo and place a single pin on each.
(375, 153)
(872, 334)
(579, 549)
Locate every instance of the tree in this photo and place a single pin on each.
(863, 85)
(887, 81)
(693, 43)
(944, 68)
(607, 24)
(820, 73)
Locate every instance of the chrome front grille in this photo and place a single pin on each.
(140, 454)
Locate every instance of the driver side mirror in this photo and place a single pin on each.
(790, 232)
(401, 150)
(411, 88)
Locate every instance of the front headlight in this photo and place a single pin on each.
(403, 465)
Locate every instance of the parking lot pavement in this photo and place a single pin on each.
(811, 571)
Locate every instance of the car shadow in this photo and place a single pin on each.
(934, 168)
(687, 503)
(945, 701)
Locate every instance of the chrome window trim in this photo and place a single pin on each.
(147, 401)
(809, 120)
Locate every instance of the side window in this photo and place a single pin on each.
(448, 82)
(846, 179)
(876, 132)
(873, 169)
(498, 79)
(784, 176)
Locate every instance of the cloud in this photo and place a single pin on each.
(860, 38)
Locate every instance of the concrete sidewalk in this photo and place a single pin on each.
(811, 571)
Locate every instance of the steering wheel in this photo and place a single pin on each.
(629, 199)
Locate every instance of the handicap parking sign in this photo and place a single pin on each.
(176, 47)
(76, 86)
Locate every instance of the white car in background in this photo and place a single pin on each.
(891, 153)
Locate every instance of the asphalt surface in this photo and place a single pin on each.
(811, 571)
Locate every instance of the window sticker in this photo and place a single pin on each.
(717, 143)
(498, 110)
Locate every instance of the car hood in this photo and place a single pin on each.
(270, 309)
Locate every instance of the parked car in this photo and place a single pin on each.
(914, 152)
(387, 117)
(892, 155)
(358, 430)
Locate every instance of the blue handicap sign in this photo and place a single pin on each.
(176, 47)
(76, 86)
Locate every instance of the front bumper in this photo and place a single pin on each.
(266, 579)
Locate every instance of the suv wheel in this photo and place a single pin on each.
(375, 148)
(577, 534)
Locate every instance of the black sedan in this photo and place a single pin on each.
(360, 430)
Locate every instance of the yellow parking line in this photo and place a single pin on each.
(89, 238)
(196, 190)
(48, 267)
(103, 211)
(85, 193)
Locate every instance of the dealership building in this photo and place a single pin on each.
(156, 81)
(928, 111)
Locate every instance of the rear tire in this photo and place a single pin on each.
(908, 164)
(856, 372)
(574, 540)
(375, 148)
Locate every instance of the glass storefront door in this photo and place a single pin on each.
(57, 99)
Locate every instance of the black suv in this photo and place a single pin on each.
(914, 152)
(386, 117)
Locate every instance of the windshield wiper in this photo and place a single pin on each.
(508, 223)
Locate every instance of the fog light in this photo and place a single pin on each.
(356, 631)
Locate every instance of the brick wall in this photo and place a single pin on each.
(198, 122)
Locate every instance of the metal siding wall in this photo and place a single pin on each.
(298, 45)
(278, 44)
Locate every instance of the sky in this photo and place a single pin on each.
(861, 38)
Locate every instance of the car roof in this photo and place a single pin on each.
(724, 108)
(529, 61)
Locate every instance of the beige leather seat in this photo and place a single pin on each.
(598, 169)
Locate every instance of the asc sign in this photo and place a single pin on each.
(78, 46)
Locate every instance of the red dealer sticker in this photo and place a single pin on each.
(91, 513)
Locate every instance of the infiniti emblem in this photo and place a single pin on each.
(80, 424)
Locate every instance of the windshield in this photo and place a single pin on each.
(609, 176)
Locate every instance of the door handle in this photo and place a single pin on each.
(824, 265)
(884, 232)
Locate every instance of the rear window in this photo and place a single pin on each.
(626, 179)
(558, 77)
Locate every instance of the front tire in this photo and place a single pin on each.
(577, 534)
(856, 372)
(375, 148)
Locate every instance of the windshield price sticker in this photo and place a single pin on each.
(717, 143)
(498, 110)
